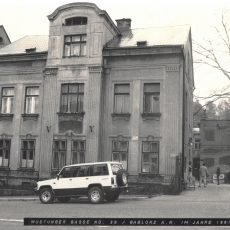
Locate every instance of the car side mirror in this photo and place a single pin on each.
(57, 177)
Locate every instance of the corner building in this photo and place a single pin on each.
(96, 91)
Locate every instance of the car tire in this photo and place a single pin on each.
(46, 196)
(112, 197)
(95, 195)
(122, 177)
(63, 199)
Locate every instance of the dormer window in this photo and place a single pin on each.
(75, 45)
(76, 21)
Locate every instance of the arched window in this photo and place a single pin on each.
(76, 21)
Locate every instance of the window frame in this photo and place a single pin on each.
(68, 94)
(11, 96)
(83, 21)
(153, 93)
(82, 45)
(120, 153)
(78, 152)
(152, 153)
(59, 151)
(36, 96)
(27, 154)
(124, 94)
(4, 148)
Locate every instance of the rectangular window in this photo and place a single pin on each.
(120, 152)
(121, 98)
(59, 153)
(72, 96)
(197, 144)
(75, 45)
(31, 100)
(7, 100)
(152, 98)
(27, 153)
(4, 152)
(78, 151)
(150, 157)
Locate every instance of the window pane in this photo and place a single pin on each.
(64, 88)
(75, 49)
(76, 38)
(122, 89)
(83, 49)
(32, 91)
(8, 92)
(83, 37)
(67, 39)
(67, 50)
(64, 103)
(116, 157)
(151, 88)
(73, 103)
(74, 158)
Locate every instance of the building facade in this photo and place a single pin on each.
(96, 91)
(214, 151)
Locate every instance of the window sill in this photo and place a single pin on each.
(121, 116)
(4, 168)
(30, 116)
(71, 116)
(26, 169)
(151, 116)
(6, 116)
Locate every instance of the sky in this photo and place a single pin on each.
(29, 17)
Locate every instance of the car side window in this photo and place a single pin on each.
(66, 172)
(83, 171)
(100, 170)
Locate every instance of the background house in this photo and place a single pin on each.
(215, 145)
(96, 91)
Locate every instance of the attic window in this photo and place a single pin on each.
(141, 43)
(1, 40)
(30, 50)
(76, 21)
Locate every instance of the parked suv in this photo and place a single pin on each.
(98, 181)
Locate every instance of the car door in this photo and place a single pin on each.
(80, 180)
(62, 186)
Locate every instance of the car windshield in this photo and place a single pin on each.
(115, 168)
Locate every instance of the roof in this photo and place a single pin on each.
(155, 36)
(3, 29)
(40, 42)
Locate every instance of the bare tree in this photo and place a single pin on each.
(216, 52)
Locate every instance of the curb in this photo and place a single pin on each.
(36, 198)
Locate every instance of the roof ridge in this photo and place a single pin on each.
(154, 27)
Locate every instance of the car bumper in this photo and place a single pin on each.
(115, 189)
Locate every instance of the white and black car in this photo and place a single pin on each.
(98, 181)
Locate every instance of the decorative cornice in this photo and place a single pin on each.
(27, 117)
(50, 71)
(95, 69)
(173, 68)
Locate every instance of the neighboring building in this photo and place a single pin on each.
(196, 152)
(97, 92)
(4, 39)
(215, 146)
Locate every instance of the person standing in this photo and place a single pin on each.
(203, 175)
(218, 175)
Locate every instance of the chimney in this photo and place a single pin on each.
(124, 24)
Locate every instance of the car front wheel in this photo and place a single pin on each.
(46, 196)
(95, 195)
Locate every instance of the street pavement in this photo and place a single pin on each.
(210, 202)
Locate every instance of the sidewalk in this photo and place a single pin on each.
(211, 193)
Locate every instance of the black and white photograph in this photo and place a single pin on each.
(114, 114)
